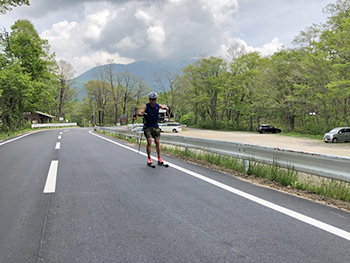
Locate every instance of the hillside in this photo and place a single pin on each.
(143, 69)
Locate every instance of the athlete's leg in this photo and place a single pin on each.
(157, 142)
(148, 135)
(148, 149)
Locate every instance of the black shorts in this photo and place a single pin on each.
(151, 132)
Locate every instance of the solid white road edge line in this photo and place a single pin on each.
(306, 219)
(50, 185)
(19, 137)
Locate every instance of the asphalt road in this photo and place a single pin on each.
(103, 204)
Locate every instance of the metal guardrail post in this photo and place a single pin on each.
(246, 163)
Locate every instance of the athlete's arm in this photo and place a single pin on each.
(142, 111)
(163, 107)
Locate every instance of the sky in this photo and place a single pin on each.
(87, 32)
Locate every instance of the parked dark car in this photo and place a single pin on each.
(264, 128)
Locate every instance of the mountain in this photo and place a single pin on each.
(144, 69)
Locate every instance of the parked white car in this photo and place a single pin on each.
(170, 127)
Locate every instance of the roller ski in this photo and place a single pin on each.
(161, 163)
(151, 165)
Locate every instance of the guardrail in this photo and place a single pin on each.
(42, 125)
(329, 166)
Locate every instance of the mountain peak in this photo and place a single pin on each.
(144, 69)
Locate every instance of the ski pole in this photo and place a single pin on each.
(143, 121)
(139, 144)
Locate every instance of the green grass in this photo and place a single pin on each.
(327, 187)
(286, 177)
(11, 134)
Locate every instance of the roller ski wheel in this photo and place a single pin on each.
(151, 165)
(163, 164)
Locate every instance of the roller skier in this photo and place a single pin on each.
(150, 113)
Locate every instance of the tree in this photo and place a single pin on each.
(27, 76)
(167, 82)
(17, 91)
(97, 92)
(129, 87)
(66, 81)
(115, 88)
(191, 93)
(6, 5)
(32, 52)
(280, 90)
(208, 79)
(140, 91)
(241, 95)
(337, 42)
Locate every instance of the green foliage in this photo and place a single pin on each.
(17, 92)
(187, 119)
(27, 80)
(6, 5)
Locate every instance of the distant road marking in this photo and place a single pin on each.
(61, 132)
(58, 146)
(306, 219)
(59, 137)
(50, 185)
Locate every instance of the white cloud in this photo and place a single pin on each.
(87, 32)
(144, 17)
(222, 11)
(127, 43)
(156, 36)
(133, 30)
(269, 48)
(60, 31)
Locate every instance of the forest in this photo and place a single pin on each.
(304, 89)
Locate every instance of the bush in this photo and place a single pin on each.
(187, 119)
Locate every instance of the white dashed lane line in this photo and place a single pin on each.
(50, 186)
(58, 146)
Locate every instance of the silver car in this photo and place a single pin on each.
(341, 134)
(170, 127)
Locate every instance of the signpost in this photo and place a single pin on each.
(133, 114)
